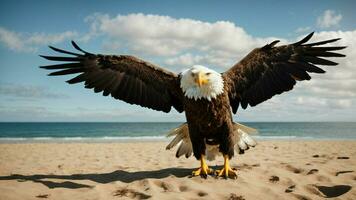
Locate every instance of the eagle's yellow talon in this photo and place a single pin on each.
(226, 171)
(204, 170)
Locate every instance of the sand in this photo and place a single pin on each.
(145, 170)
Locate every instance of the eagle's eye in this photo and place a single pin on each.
(208, 73)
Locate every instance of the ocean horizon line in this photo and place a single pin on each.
(172, 122)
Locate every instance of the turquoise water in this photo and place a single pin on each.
(110, 131)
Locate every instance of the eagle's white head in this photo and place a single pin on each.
(200, 82)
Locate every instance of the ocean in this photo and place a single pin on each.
(49, 131)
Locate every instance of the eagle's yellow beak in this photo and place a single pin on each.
(201, 79)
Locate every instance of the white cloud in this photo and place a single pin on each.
(185, 60)
(303, 29)
(20, 92)
(12, 40)
(337, 86)
(311, 101)
(329, 19)
(21, 42)
(37, 112)
(166, 36)
(344, 103)
(45, 39)
(318, 102)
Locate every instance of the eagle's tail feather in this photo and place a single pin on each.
(245, 128)
(245, 142)
(184, 149)
(181, 133)
(177, 130)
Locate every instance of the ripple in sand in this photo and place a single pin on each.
(343, 172)
(312, 171)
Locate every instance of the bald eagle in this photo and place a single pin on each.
(207, 97)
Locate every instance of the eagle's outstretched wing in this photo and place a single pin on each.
(270, 70)
(124, 77)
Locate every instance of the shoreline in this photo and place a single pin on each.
(148, 139)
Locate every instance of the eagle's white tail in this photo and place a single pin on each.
(243, 141)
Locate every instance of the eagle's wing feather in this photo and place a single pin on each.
(270, 70)
(124, 77)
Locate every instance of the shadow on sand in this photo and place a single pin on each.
(118, 175)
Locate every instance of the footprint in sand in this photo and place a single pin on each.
(328, 191)
(43, 196)
(145, 185)
(235, 197)
(290, 189)
(301, 197)
(130, 193)
(167, 187)
(322, 156)
(343, 157)
(274, 179)
(202, 194)
(322, 178)
(183, 188)
(244, 166)
(294, 169)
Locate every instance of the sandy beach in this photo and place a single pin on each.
(145, 170)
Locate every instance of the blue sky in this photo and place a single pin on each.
(174, 35)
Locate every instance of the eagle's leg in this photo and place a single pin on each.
(226, 171)
(204, 169)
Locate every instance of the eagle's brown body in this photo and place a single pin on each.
(212, 126)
